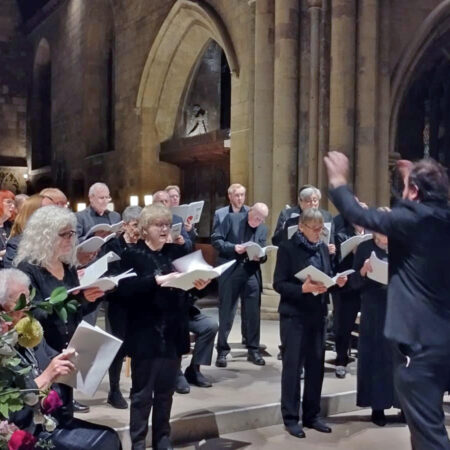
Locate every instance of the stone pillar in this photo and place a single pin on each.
(342, 78)
(383, 176)
(367, 101)
(285, 137)
(314, 90)
(263, 135)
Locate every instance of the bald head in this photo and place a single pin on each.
(257, 214)
(162, 197)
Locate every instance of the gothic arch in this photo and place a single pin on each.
(184, 35)
(437, 23)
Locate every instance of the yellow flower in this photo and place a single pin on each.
(30, 332)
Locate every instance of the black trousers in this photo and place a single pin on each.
(421, 377)
(116, 320)
(153, 384)
(239, 283)
(205, 329)
(302, 343)
(346, 307)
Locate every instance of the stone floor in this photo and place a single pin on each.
(245, 400)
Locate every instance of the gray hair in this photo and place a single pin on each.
(7, 278)
(151, 214)
(40, 234)
(307, 193)
(131, 213)
(95, 186)
(311, 215)
(262, 208)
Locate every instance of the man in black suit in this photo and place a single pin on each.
(242, 279)
(418, 310)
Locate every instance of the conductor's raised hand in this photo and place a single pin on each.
(337, 167)
(313, 287)
(201, 284)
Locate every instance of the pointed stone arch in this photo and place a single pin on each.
(437, 23)
(184, 35)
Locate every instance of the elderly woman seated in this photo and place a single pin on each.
(46, 366)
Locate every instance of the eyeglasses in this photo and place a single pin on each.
(67, 234)
(161, 225)
(104, 197)
(315, 229)
(8, 202)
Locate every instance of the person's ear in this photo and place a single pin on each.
(413, 192)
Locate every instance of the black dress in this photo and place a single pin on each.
(56, 332)
(375, 380)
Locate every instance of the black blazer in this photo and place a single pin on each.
(87, 218)
(291, 258)
(157, 316)
(418, 308)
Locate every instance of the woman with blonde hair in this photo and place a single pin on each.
(29, 206)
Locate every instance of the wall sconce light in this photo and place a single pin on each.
(110, 206)
(81, 206)
(134, 200)
(148, 199)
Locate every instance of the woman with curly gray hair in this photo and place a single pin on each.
(47, 255)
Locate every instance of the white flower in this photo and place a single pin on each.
(30, 398)
(49, 423)
(38, 418)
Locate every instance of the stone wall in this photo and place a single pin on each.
(13, 86)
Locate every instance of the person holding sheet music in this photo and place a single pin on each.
(46, 253)
(116, 309)
(375, 376)
(303, 311)
(158, 326)
(346, 303)
(97, 212)
(243, 279)
(45, 365)
(418, 301)
(174, 192)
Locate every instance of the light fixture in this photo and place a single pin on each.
(148, 199)
(81, 207)
(134, 200)
(110, 206)
(25, 176)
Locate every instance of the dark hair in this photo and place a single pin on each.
(431, 180)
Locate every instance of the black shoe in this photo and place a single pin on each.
(221, 360)
(80, 408)
(164, 444)
(181, 385)
(255, 357)
(116, 400)
(340, 371)
(318, 425)
(378, 417)
(196, 378)
(296, 431)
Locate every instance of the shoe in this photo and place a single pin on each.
(296, 431)
(221, 360)
(255, 357)
(196, 378)
(80, 408)
(164, 444)
(181, 385)
(116, 400)
(318, 425)
(340, 372)
(378, 417)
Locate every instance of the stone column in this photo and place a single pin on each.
(285, 138)
(263, 134)
(367, 101)
(342, 78)
(314, 90)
